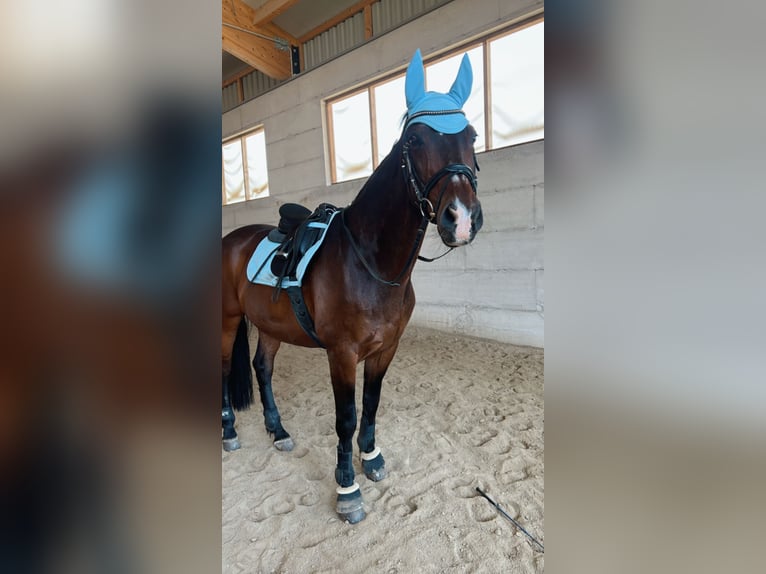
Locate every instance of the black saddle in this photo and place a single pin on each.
(295, 237)
(291, 215)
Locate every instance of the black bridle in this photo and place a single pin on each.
(422, 201)
(422, 192)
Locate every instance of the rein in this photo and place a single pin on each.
(421, 201)
(395, 281)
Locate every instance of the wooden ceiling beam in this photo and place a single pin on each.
(240, 14)
(260, 53)
(270, 10)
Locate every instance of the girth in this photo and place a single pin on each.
(302, 313)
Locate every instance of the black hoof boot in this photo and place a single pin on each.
(374, 466)
(350, 506)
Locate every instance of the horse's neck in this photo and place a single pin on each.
(384, 221)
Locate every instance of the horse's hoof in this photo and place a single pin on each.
(284, 444)
(377, 474)
(230, 444)
(354, 516)
(375, 467)
(349, 505)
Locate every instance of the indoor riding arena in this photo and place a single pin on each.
(315, 96)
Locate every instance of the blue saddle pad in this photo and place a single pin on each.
(264, 254)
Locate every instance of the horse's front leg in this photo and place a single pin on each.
(343, 372)
(375, 368)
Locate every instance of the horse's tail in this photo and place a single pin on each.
(241, 376)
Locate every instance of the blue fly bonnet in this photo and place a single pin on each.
(442, 112)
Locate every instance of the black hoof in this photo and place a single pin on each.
(230, 444)
(350, 507)
(354, 517)
(284, 444)
(377, 475)
(375, 469)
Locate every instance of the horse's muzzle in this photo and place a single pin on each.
(458, 225)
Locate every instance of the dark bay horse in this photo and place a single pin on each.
(358, 287)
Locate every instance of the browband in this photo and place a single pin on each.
(430, 113)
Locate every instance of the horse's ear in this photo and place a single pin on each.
(461, 88)
(414, 82)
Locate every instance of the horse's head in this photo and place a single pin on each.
(443, 169)
(438, 156)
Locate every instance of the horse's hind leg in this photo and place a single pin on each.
(237, 385)
(375, 368)
(263, 363)
(230, 439)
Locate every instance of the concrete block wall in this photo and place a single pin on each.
(492, 288)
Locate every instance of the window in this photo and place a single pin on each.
(506, 108)
(518, 87)
(351, 124)
(390, 106)
(245, 175)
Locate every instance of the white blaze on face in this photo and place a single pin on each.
(462, 217)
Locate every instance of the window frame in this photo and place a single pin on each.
(245, 175)
(331, 127)
(526, 23)
(483, 41)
